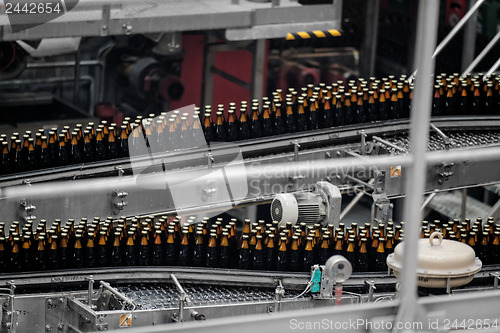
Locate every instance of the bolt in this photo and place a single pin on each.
(87, 320)
(48, 328)
(49, 301)
(60, 327)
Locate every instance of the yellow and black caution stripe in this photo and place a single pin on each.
(313, 34)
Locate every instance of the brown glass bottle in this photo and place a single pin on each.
(130, 250)
(380, 256)
(282, 262)
(362, 257)
(53, 254)
(117, 250)
(258, 261)
(212, 252)
(39, 256)
(308, 255)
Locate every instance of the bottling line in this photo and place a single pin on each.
(143, 214)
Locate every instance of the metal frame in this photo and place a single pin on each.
(244, 20)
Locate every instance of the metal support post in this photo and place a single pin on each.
(76, 91)
(259, 53)
(428, 15)
(469, 44)
(463, 206)
(370, 40)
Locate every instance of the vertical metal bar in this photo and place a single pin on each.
(370, 42)
(207, 82)
(76, 91)
(469, 44)
(428, 14)
(463, 205)
(258, 69)
(482, 54)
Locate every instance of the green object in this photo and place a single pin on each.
(316, 280)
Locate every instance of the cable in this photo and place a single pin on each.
(308, 286)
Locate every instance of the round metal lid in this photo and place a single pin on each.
(439, 257)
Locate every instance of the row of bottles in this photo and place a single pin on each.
(309, 108)
(215, 243)
(55, 147)
(207, 243)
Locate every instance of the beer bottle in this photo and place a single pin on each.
(383, 109)
(31, 160)
(143, 259)
(199, 250)
(53, 254)
(53, 148)
(267, 122)
(362, 259)
(258, 262)
(3, 253)
(489, 101)
(308, 256)
(328, 113)
(220, 130)
(339, 246)
(255, 123)
(5, 164)
(244, 253)
(282, 261)
(232, 126)
(483, 248)
(301, 116)
(15, 255)
(295, 258)
(130, 253)
(90, 250)
(495, 248)
(350, 255)
(244, 128)
(100, 147)
(88, 149)
(394, 109)
(185, 254)
(64, 251)
(313, 115)
(112, 145)
(278, 124)
(289, 118)
(372, 251)
(123, 142)
(102, 250)
(224, 252)
(39, 258)
(212, 255)
(26, 253)
(75, 155)
(208, 128)
(116, 250)
(18, 161)
(361, 109)
(324, 252)
(380, 256)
